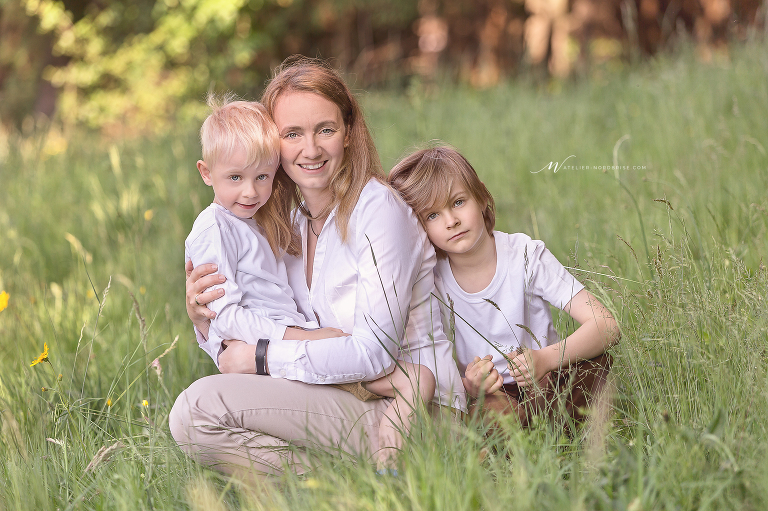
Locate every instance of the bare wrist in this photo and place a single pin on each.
(554, 357)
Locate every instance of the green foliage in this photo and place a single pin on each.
(133, 68)
(91, 255)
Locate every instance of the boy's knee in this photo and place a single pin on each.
(427, 383)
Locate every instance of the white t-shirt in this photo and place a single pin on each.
(528, 279)
(377, 286)
(257, 303)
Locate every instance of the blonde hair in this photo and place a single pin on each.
(361, 161)
(425, 177)
(236, 124)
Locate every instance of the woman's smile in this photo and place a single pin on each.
(312, 166)
(312, 138)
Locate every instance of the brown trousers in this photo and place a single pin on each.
(564, 394)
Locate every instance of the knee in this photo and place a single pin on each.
(187, 414)
(426, 382)
(179, 419)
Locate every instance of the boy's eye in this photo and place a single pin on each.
(291, 135)
(235, 178)
(458, 202)
(262, 177)
(431, 216)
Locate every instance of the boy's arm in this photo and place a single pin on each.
(220, 245)
(598, 332)
(201, 316)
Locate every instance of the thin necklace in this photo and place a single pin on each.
(313, 229)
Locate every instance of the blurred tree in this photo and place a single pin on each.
(130, 66)
(24, 53)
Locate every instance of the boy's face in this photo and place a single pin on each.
(459, 227)
(239, 187)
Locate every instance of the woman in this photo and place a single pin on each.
(365, 267)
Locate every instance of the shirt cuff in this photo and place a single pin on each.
(282, 357)
(278, 333)
(199, 336)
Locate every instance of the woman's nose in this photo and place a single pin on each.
(311, 149)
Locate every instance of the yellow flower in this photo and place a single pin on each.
(145, 403)
(43, 356)
(143, 290)
(4, 300)
(44, 389)
(148, 214)
(312, 483)
(109, 401)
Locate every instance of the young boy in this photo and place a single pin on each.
(241, 231)
(243, 234)
(496, 289)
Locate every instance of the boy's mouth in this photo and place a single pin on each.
(313, 166)
(457, 236)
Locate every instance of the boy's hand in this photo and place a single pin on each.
(198, 280)
(481, 377)
(297, 334)
(237, 357)
(528, 367)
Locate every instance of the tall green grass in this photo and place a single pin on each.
(92, 234)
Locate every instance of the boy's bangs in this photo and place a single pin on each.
(257, 150)
(239, 124)
(434, 193)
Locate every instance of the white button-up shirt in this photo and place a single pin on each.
(257, 301)
(377, 286)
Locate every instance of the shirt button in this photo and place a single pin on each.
(282, 372)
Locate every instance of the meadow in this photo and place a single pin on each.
(650, 183)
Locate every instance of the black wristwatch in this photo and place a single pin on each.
(261, 357)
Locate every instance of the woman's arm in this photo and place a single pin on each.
(391, 284)
(598, 332)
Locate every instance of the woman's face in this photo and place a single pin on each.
(312, 139)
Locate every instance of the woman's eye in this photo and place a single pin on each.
(235, 178)
(459, 202)
(431, 216)
(327, 131)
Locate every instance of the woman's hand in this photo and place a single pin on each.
(529, 366)
(198, 280)
(237, 357)
(481, 377)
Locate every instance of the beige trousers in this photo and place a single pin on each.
(242, 424)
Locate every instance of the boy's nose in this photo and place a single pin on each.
(451, 220)
(250, 190)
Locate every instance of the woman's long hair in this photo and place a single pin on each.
(361, 161)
